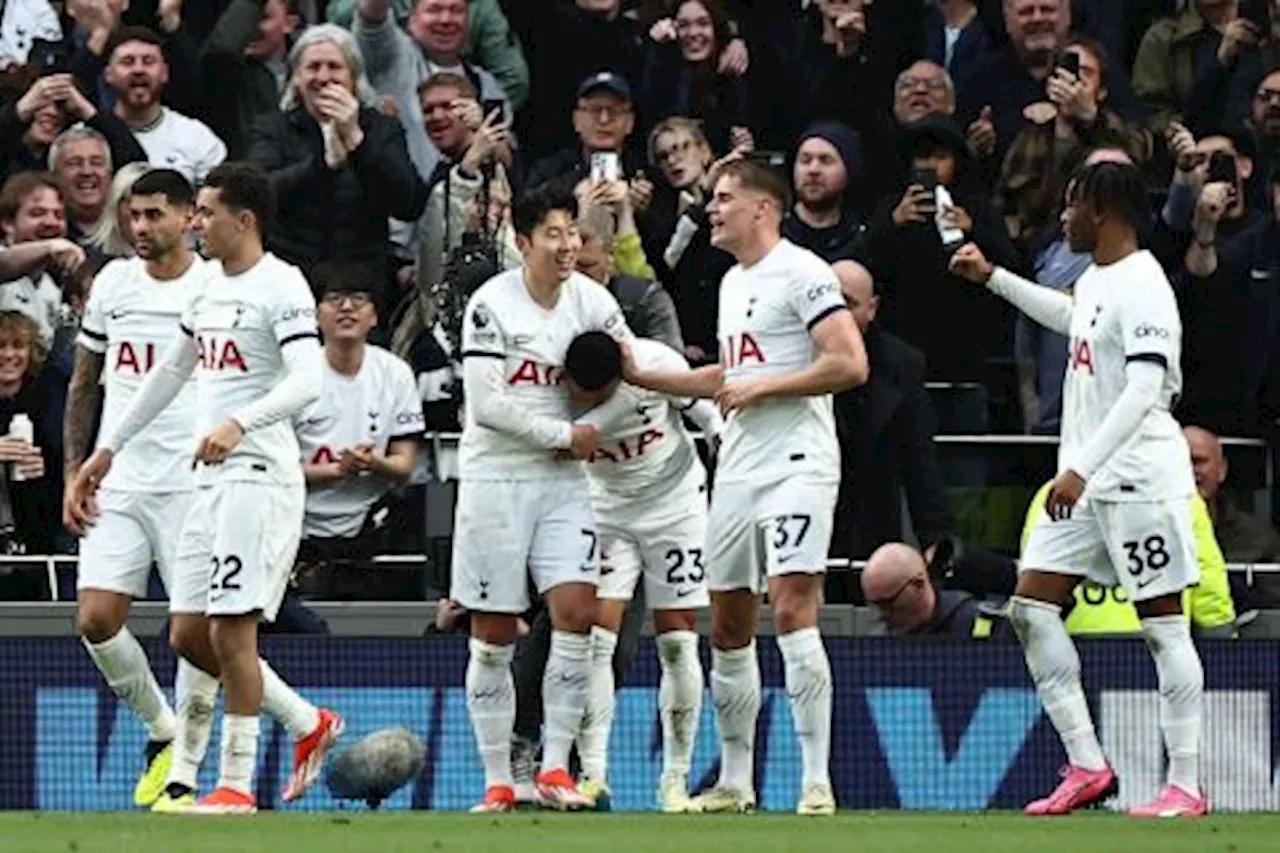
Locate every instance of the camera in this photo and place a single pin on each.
(1222, 168)
(1069, 61)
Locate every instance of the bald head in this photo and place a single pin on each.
(859, 290)
(890, 567)
(1208, 462)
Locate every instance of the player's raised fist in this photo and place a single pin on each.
(584, 442)
(79, 506)
(969, 263)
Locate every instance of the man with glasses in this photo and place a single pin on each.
(897, 586)
(604, 118)
(361, 438)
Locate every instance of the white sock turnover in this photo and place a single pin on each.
(195, 693)
(564, 696)
(808, 679)
(597, 717)
(491, 703)
(735, 687)
(124, 665)
(1054, 665)
(679, 698)
(1181, 678)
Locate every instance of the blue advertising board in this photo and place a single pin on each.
(917, 725)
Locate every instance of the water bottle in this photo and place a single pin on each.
(21, 427)
(951, 236)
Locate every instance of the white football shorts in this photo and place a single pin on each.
(238, 547)
(1148, 548)
(133, 531)
(758, 531)
(663, 540)
(508, 532)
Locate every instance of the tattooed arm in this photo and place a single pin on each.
(81, 417)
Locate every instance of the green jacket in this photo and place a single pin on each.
(493, 46)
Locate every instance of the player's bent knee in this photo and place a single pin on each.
(1164, 605)
(1048, 587)
(234, 636)
(795, 605)
(97, 625)
(573, 607)
(665, 621)
(496, 629)
(610, 612)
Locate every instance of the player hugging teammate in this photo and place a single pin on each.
(787, 343)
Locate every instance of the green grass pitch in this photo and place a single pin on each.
(426, 832)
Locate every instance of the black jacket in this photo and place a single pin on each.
(239, 88)
(342, 215)
(846, 240)
(886, 431)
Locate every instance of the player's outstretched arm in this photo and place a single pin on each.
(1050, 308)
(700, 383)
(484, 387)
(156, 392)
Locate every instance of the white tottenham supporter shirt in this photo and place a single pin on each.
(503, 321)
(1123, 312)
(240, 324)
(766, 313)
(184, 144)
(131, 319)
(649, 452)
(378, 405)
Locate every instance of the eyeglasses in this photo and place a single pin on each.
(933, 84)
(1267, 95)
(888, 603)
(604, 114)
(358, 298)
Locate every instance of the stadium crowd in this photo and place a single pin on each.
(397, 132)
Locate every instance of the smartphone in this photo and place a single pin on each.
(490, 105)
(605, 167)
(1258, 13)
(1069, 60)
(50, 57)
(1222, 168)
(927, 178)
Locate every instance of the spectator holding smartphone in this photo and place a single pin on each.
(942, 203)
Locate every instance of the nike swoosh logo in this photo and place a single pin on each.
(606, 571)
(788, 558)
(1146, 582)
(681, 593)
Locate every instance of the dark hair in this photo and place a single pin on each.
(450, 80)
(344, 277)
(170, 183)
(758, 177)
(534, 206)
(23, 184)
(593, 360)
(1113, 189)
(146, 35)
(243, 186)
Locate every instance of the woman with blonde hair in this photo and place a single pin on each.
(110, 235)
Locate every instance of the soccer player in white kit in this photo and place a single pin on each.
(130, 318)
(522, 512)
(1120, 508)
(250, 338)
(649, 494)
(361, 438)
(787, 341)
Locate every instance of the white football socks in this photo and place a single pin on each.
(195, 693)
(239, 752)
(597, 717)
(491, 702)
(679, 698)
(284, 703)
(1181, 678)
(564, 696)
(735, 687)
(808, 679)
(1054, 665)
(124, 665)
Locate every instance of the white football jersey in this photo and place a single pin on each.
(503, 321)
(1124, 312)
(240, 324)
(766, 313)
(378, 405)
(648, 451)
(39, 298)
(131, 318)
